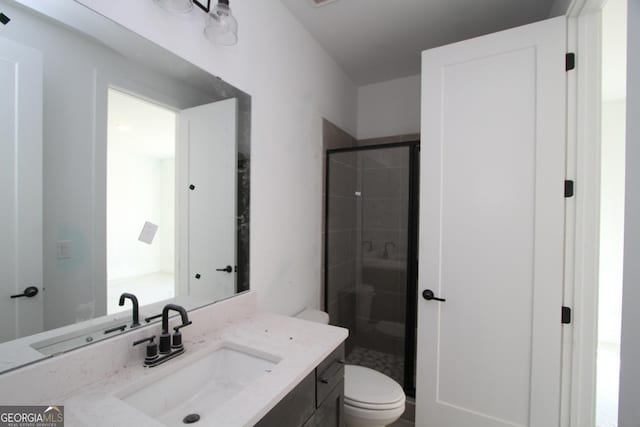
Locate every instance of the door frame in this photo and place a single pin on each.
(582, 213)
(411, 314)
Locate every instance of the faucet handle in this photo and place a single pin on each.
(154, 317)
(176, 338)
(177, 328)
(120, 328)
(152, 349)
(149, 339)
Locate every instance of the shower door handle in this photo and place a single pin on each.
(428, 295)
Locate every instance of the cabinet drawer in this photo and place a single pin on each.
(329, 374)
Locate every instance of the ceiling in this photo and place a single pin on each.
(378, 40)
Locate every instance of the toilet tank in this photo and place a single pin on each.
(314, 316)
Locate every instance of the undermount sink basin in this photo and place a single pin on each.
(198, 386)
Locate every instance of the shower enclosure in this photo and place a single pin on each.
(370, 268)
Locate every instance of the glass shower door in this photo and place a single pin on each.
(368, 274)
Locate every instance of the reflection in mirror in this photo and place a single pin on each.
(123, 169)
(141, 145)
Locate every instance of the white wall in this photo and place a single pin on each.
(629, 415)
(389, 108)
(293, 84)
(611, 221)
(139, 189)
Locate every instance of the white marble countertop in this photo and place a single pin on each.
(87, 381)
(300, 345)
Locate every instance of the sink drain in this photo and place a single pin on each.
(191, 418)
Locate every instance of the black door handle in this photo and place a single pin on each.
(228, 269)
(428, 295)
(29, 292)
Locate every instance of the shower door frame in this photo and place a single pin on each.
(411, 308)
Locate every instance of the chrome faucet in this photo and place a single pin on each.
(134, 301)
(170, 345)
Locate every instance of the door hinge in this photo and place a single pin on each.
(570, 61)
(569, 188)
(566, 315)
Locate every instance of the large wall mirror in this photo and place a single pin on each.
(123, 169)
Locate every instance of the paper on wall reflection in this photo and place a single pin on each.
(148, 232)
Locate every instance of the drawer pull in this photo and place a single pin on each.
(327, 375)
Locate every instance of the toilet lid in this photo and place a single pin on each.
(365, 387)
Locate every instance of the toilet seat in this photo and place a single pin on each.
(368, 389)
(375, 407)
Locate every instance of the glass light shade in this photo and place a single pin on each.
(175, 6)
(221, 27)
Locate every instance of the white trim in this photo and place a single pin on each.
(578, 8)
(99, 194)
(569, 255)
(182, 208)
(583, 212)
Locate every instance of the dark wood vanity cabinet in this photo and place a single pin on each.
(331, 412)
(318, 401)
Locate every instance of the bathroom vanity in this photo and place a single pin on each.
(240, 367)
(317, 401)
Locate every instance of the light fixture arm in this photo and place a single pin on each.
(206, 8)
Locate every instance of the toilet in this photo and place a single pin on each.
(371, 399)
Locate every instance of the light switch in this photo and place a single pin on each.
(63, 249)
(148, 232)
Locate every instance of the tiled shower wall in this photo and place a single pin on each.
(344, 265)
(385, 201)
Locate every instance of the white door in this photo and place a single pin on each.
(20, 189)
(209, 134)
(492, 229)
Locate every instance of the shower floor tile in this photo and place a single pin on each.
(391, 365)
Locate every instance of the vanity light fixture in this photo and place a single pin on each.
(175, 6)
(221, 26)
